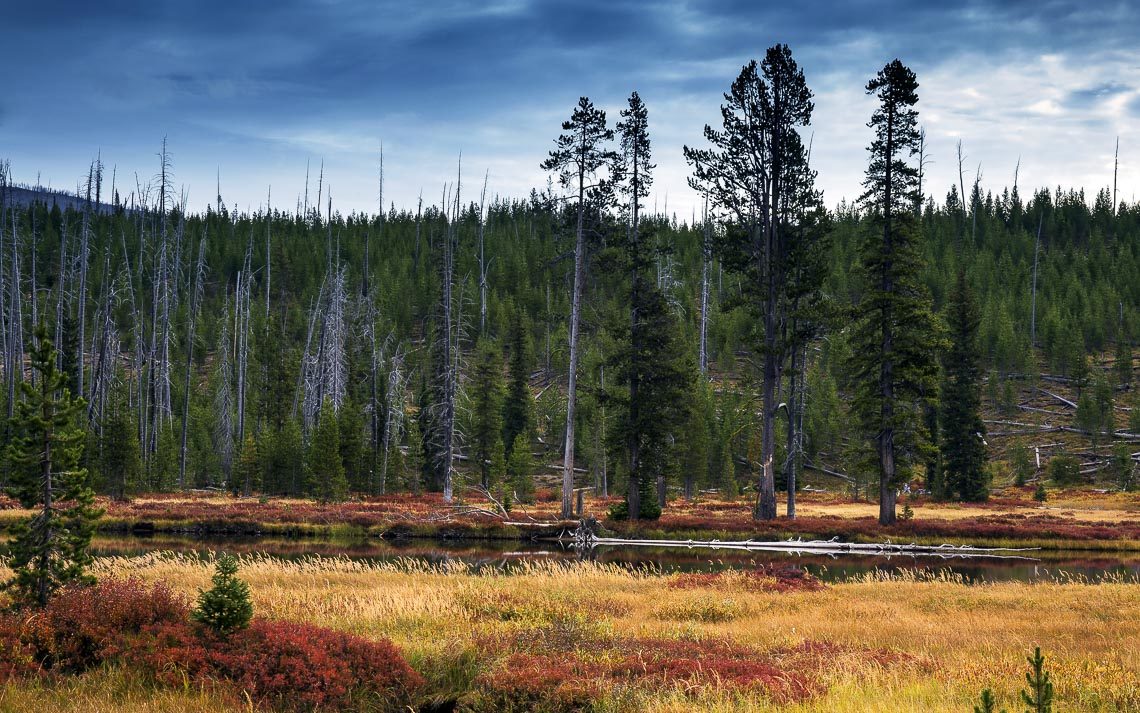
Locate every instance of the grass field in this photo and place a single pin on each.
(557, 635)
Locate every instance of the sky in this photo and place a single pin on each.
(255, 91)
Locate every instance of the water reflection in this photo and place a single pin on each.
(503, 555)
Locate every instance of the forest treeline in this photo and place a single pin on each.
(316, 353)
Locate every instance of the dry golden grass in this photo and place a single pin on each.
(955, 639)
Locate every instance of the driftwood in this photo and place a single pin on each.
(584, 537)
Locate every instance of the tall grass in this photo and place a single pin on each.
(898, 641)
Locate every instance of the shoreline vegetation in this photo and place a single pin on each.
(1072, 519)
(764, 640)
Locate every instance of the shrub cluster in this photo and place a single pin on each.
(288, 665)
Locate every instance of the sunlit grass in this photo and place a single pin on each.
(955, 638)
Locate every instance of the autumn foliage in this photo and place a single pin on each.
(291, 666)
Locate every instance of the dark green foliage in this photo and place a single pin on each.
(324, 470)
(1039, 493)
(485, 393)
(284, 460)
(651, 366)
(1094, 410)
(1123, 362)
(1021, 463)
(520, 470)
(987, 703)
(1064, 470)
(1124, 469)
(757, 173)
(518, 406)
(225, 607)
(49, 549)
(353, 446)
(963, 433)
(119, 458)
(247, 471)
(1039, 696)
(895, 337)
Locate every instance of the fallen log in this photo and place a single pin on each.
(584, 537)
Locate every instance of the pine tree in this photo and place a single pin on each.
(49, 549)
(120, 458)
(1039, 696)
(353, 445)
(1094, 410)
(987, 703)
(520, 469)
(963, 447)
(1123, 362)
(225, 607)
(757, 173)
(486, 391)
(324, 469)
(248, 470)
(895, 335)
(285, 460)
(580, 155)
(649, 358)
(518, 407)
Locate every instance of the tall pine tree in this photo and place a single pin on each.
(580, 155)
(895, 334)
(486, 393)
(49, 549)
(963, 447)
(757, 173)
(649, 358)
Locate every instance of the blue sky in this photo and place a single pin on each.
(256, 89)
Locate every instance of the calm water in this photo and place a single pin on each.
(1049, 565)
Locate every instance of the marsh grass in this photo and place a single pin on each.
(908, 640)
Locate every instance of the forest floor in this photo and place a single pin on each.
(1081, 518)
(585, 636)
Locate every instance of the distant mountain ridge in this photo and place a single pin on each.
(25, 196)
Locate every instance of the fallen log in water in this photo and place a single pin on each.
(585, 537)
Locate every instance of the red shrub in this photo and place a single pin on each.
(290, 665)
(563, 680)
(301, 666)
(764, 578)
(17, 659)
(293, 666)
(84, 626)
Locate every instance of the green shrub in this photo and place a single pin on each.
(225, 607)
(1064, 470)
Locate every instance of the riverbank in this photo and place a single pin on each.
(1071, 519)
(559, 636)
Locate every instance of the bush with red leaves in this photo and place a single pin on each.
(289, 665)
(84, 626)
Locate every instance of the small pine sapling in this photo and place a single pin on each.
(987, 703)
(1039, 697)
(226, 607)
(1040, 494)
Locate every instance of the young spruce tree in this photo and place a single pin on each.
(895, 335)
(486, 390)
(963, 447)
(324, 468)
(49, 549)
